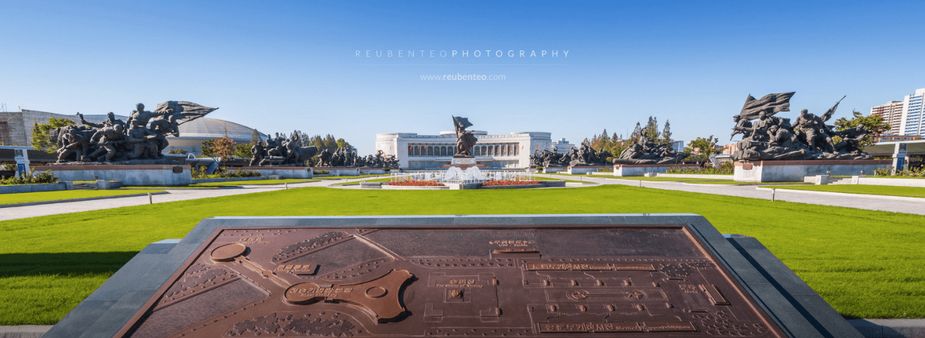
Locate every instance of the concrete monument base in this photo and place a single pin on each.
(342, 171)
(372, 171)
(128, 174)
(623, 170)
(280, 171)
(583, 169)
(796, 171)
(553, 169)
(464, 162)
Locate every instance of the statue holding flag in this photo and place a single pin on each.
(465, 140)
(769, 137)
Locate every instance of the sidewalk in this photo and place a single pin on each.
(868, 202)
(171, 196)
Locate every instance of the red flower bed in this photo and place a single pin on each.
(417, 183)
(509, 183)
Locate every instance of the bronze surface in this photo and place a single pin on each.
(544, 282)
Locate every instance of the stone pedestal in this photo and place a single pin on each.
(128, 174)
(372, 171)
(342, 171)
(583, 169)
(553, 169)
(463, 162)
(623, 170)
(796, 171)
(280, 171)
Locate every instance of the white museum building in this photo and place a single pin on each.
(495, 151)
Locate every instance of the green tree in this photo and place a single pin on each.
(41, 134)
(219, 147)
(341, 143)
(666, 133)
(873, 123)
(330, 143)
(700, 149)
(651, 129)
(318, 142)
(242, 150)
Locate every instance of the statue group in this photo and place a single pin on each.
(142, 138)
(280, 150)
(769, 137)
(583, 155)
(347, 157)
(642, 150)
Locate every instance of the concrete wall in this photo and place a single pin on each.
(342, 171)
(141, 174)
(795, 171)
(642, 169)
(581, 170)
(17, 188)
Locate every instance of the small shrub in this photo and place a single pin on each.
(913, 172)
(725, 168)
(39, 178)
(200, 172)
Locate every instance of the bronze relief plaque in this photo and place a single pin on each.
(655, 281)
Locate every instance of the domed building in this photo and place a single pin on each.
(193, 133)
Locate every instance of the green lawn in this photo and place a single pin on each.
(865, 263)
(63, 195)
(861, 189)
(252, 182)
(683, 180)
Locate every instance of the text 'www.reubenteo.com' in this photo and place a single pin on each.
(463, 77)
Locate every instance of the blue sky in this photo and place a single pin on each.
(277, 66)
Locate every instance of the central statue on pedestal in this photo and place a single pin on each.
(465, 140)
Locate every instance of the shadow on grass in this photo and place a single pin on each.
(65, 263)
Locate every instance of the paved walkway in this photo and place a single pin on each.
(869, 202)
(172, 196)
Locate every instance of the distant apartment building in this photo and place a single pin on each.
(561, 146)
(906, 117)
(892, 113)
(913, 115)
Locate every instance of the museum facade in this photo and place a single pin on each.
(494, 151)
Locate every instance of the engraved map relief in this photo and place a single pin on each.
(485, 282)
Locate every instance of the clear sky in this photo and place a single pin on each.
(278, 66)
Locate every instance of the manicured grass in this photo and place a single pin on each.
(63, 195)
(865, 263)
(683, 180)
(861, 189)
(253, 182)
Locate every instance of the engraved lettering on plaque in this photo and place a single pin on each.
(379, 297)
(513, 246)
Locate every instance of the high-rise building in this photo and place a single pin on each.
(892, 113)
(913, 116)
